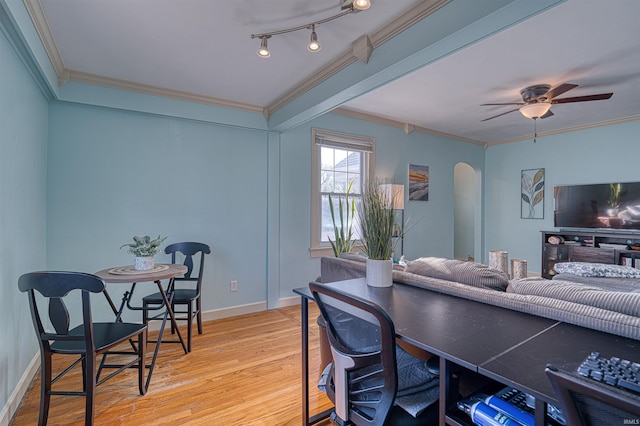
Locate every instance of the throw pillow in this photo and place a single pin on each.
(596, 270)
(470, 273)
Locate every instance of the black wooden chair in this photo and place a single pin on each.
(586, 402)
(363, 381)
(85, 341)
(187, 289)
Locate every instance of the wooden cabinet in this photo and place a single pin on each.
(588, 246)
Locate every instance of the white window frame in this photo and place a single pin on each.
(319, 138)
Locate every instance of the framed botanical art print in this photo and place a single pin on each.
(532, 194)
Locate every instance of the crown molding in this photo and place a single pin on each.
(568, 130)
(34, 8)
(419, 11)
(114, 83)
(400, 125)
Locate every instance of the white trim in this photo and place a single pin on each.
(351, 142)
(20, 391)
(215, 314)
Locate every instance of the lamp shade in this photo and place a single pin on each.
(394, 195)
(535, 110)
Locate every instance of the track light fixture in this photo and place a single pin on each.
(348, 7)
(361, 4)
(263, 52)
(313, 45)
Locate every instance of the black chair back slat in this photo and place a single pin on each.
(59, 315)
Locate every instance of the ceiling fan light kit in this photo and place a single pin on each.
(536, 110)
(348, 7)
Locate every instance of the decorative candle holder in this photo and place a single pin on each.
(499, 259)
(518, 268)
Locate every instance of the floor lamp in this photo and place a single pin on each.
(394, 195)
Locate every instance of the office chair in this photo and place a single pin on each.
(363, 381)
(86, 340)
(588, 402)
(183, 296)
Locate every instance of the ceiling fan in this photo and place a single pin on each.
(537, 100)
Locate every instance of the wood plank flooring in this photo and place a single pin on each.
(244, 370)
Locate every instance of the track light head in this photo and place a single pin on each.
(263, 52)
(362, 4)
(313, 45)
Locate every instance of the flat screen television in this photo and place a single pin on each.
(600, 206)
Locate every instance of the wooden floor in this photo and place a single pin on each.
(244, 370)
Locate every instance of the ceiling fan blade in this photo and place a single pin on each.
(499, 115)
(559, 90)
(508, 103)
(599, 97)
(548, 114)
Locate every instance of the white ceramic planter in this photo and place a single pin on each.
(143, 263)
(379, 273)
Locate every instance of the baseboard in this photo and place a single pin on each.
(215, 314)
(288, 301)
(19, 392)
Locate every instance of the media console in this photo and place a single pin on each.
(592, 246)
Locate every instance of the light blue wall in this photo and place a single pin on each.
(430, 224)
(23, 154)
(114, 174)
(599, 155)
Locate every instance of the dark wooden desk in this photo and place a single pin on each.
(508, 346)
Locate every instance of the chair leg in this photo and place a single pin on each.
(90, 377)
(173, 329)
(189, 323)
(142, 353)
(199, 308)
(45, 388)
(145, 314)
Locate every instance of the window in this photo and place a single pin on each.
(336, 160)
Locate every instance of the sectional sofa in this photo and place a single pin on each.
(608, 303)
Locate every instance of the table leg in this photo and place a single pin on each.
(306, 420)
(171, 314)
(305, 360)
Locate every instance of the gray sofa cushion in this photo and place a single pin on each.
(617, 301)
(470, 273)
(613, 284)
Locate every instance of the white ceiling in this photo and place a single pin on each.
(203, 47)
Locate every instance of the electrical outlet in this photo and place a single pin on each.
(233, 286)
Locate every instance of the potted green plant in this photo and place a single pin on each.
(343, 231)
(376, 218)
(144, 248)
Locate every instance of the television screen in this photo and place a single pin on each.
(605, 205)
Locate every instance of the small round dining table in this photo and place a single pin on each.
(128, 275)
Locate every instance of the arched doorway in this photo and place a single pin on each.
(467, 212)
